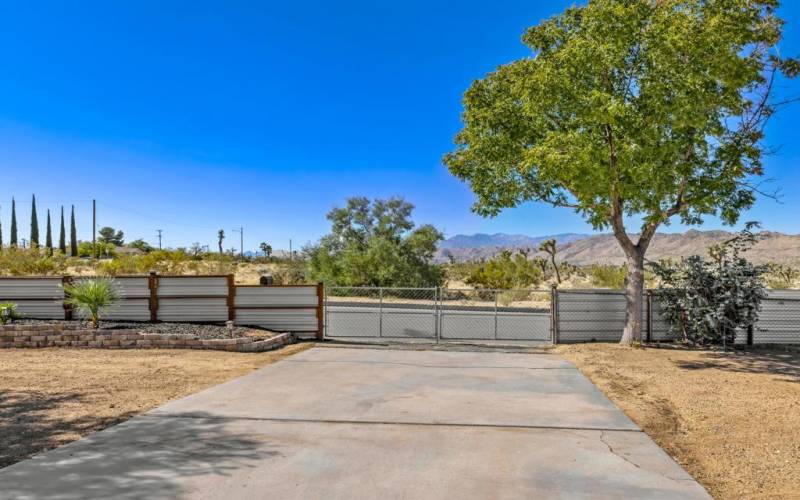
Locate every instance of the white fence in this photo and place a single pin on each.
(599, 315)
(211, 299)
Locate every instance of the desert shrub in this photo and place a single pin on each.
(28, 261)
(8, 312)
(103, 249)
(607, 276)
(506, 271)
(291, 273)
(167, 262)
(781, 277)
(707, 301)
(91, 297)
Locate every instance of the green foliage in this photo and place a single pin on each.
(9, 313)
(91, 297)
(13, 237)
(28, 261)
(73, 235)
(292, 273)
(506, 271)
(266, 248)
(142, 245)
(103, 249)
(167, 262)
(607, 276)
(376, 244)
(62, 238)
(48, 241)
(34, 224)
(707, 301)
(109, 235)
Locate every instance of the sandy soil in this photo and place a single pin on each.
(732, 420)
(49, 397)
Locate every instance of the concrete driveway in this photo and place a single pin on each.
(347, 423)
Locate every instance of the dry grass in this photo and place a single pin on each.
(49, 397)
(732, 420)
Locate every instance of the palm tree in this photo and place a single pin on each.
(91, 297)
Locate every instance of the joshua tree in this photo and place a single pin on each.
(13, 239)
(34, 225)
(73, 235)
(62, 241)
(48, 239)
(220, 238)
(549, 246)
(91, 297)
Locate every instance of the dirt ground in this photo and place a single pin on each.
(732, 420)
(49, 397)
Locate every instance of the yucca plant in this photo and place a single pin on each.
(91, 297)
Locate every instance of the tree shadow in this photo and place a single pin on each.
(145, 457)
(784, 364)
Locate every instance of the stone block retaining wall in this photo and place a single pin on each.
(60, 335)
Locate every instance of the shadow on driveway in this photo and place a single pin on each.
(143, 458)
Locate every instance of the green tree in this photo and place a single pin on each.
(109, 235)
(62, 237)
(34, 225)
(142, 245)
(266, 248)
(643, 109)
(48, 239)
(13, 237)
(73, 235)
(549, 247)
(377, 244)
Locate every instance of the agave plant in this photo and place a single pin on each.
(91, 297)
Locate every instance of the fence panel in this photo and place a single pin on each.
(193, 298)
(779, 320)
(36, 297)
(135, 302)
(391, 313)
(279, 308)
(467, 314)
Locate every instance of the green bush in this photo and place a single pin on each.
(8, 312)
(31, 261)
(607, 276)
(707, 301)
(91, 297)
(506, 271)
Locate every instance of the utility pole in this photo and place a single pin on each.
(241, 241)
(291, 255)
(159, 238)
(94, 229)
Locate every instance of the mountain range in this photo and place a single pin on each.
(583, 249)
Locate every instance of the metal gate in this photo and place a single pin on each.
(437, 314)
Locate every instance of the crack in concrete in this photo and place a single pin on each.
(625, 458)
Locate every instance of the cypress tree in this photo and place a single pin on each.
(13, 240)
(34, 225)
(73, 235)
(62, 237)
(48, 239)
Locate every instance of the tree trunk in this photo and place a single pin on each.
(634, 298)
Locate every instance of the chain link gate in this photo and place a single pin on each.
(434, 314)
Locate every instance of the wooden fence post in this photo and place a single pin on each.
(231, 298)
(152, 284)
(320, 310)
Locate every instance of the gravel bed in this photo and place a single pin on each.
(200, 330)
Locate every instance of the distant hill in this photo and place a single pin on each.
(584, 249)
(476, 246)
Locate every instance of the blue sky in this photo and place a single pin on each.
(196, 116)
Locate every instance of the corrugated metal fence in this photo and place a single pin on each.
(209, 299)
(599, 315)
